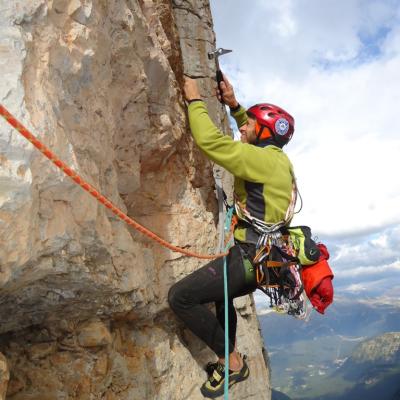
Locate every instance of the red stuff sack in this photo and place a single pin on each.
(317, 281)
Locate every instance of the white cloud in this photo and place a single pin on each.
(333, 65)
(391, 45)
(355, 288)
(364, 271)
(285, 38)
(345, 149)
(381, 241)
(378, 249)
(381, 289)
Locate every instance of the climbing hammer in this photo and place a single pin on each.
(216, 54)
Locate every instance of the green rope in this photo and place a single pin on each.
(228, 245)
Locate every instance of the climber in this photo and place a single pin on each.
(263, 184)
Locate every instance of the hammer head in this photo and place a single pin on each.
(216, 53)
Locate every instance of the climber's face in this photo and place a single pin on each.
(248, 131)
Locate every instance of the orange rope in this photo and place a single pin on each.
(89, 188)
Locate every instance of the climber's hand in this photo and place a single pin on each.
(191, 90)
(226, 93)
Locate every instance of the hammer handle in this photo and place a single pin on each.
(220, 79)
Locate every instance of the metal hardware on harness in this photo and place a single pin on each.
(284, 298)
(270, 238)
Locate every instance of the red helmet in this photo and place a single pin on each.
(279, 122)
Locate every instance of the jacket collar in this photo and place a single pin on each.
(268, 142)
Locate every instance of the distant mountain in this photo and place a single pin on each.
(276, 395)
(384, 349)
(346, 317)
(373, 357)
(371, 372)
(332, 356)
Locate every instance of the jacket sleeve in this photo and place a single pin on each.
(240, 116)
(243, 160)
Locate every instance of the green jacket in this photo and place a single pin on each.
(263, 175)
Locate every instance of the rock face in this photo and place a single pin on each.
(4, 376)
(83, 297)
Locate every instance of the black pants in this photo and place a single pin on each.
(188, 297)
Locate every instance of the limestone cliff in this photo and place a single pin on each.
(383, 350)
(83, 305)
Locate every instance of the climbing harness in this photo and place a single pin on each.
(278, 274)
(92, 190)
(278, 270)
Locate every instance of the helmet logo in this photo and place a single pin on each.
(281, 126)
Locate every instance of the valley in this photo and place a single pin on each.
(331, 357)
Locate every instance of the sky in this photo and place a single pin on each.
(333, 65)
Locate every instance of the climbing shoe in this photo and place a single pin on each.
(214, 386)
(211, 366)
